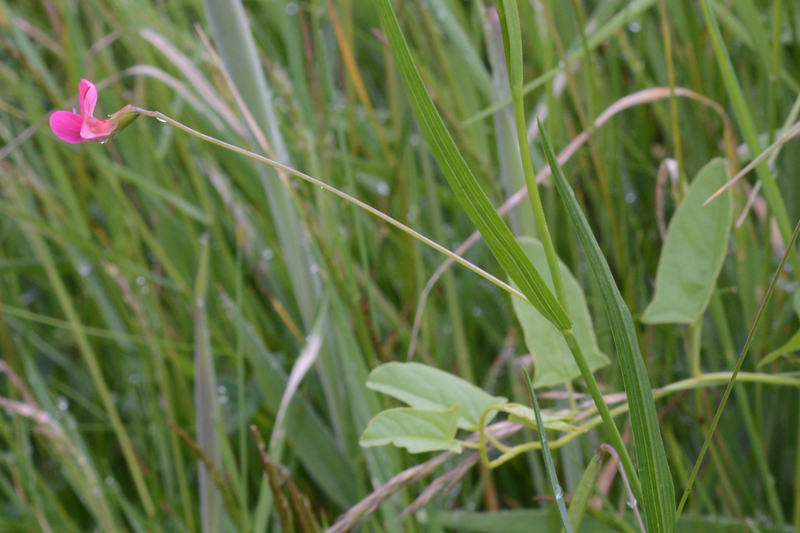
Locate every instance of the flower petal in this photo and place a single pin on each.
(88, 97)
(67, 126)
(93, 128)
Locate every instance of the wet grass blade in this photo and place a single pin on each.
(658, 493)
(558, 492)
(466, 188)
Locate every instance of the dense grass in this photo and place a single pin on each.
(157, 292)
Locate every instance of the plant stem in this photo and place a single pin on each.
(737, 368)
(602, 408)
(509, 19)
(322, 185)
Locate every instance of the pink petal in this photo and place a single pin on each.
(92, 128)
(88, 97)
(67, 126)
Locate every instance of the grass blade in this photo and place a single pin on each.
(577, 508)
(558, 492)
(658, 493)
(205, 397)
(738, 367)
(466, 188)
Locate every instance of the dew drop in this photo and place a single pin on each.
(634, 27)
(104, 141)
(383, 188)
(134, 378)
(63, 404)
(292, 9)
(558, 492)
(631, 502)
(140, 280)
(84, 268)
(161, 120)
(267, 254)
(222, 389)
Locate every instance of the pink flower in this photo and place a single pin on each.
(76, 128)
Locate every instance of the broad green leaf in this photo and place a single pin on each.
(554, 361)
(657, 492)
(425, 387)
(466, 188)
(418, 430)
(694, 250)
(522, 414)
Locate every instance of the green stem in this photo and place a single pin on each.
(602, 408)
(737, 368)
(706, 380)
(322, 185)
(509, 18)
(748, 129)
(743, 403)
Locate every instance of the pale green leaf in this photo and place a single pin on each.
(585, 490)
(694, 250)
(792, 345)
(522, 414)
(425, 387)
(551, 354)
(418, 430)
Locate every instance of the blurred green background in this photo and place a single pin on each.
(157, 291)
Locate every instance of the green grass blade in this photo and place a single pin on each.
(577, 508)
(558, 492)
(748, 127)
(658, 493)
(238, 52)
(205, 396)
(469, 193)
(739, 362)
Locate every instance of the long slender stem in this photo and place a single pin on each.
(322, 185)
(743, 403)
(737, 368)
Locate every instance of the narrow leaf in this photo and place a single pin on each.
(694, 251)
(792, 345)
(558, 492)
(466, 188)
(425, 387)
(554, 361)
(658, 492)
(418, 430)
(205, 398)
(585, 489)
